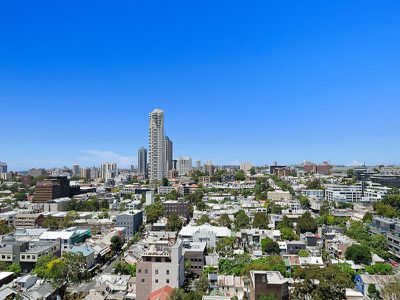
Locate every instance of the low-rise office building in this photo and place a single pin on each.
(131, 220)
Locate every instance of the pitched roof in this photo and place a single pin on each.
(162, 293)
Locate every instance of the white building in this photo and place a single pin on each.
(156, 145)
(184, 165)
(355, 193)
(246, 166)
(108, 170)
(205, 233)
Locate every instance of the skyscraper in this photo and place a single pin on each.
(209, 168)
(3, 167)
(142, 162)
(168, 154)
(198, 165)
(156, 145)
(184, 165)
(75, 170)
(108, 170)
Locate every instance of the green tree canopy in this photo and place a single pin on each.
(360, 254)
(124, 268)
(260, 220)
(224, 220)
(269, 246)
(174, 223)
(154, 211)
(306, 223)
(332, 283)
(242, 220)
(116, 243)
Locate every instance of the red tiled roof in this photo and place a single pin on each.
(162, 293)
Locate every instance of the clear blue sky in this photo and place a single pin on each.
(239, 80)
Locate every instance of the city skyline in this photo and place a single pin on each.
(263, 82)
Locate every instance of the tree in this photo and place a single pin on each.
(306, 223)
(177, 294)
(242, 220)
(385, 210)
(202, 284)
(391, 291)
(233, 266)
(267, 263)
(174, 223)
(289, 234)
(314, 184)
(224, 220)
(269, 246)
(225, 246)
(203, 219)
(304, 253)
(124, 268)
(350, 172)
(240, 175)
(332, 283)
(70, 268)
(154, 212)
(358, 231)
(304, 201)
(116, 243)
(165, 181)
(367, 217)
(42, 268)
(4, 228)
(286, 222)
(324, 209)
(360, 254)
(20, 196)
(15, 268)
(252, 171)
(173, 195)
(260, 220)
(379, 269)
(392, 198)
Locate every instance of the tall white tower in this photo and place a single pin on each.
(156, 145)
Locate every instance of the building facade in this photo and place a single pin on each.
(160, 265)
(142, 162)
(131, 220)
(156, 146)
(168, 154)
(184, 165)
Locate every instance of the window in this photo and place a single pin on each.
(167, 281)
(156, 272)
(146, 271)
(167, 272)
(143, 280)
(155, 280)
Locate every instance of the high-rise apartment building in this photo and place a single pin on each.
(85, 173)
(75, 170)
(168, 154)
(3, 167)
(198, 165)
(209, 168)
(142, 162)
(156, 146)
(184, 165)
(108, 170)
(246, 166)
